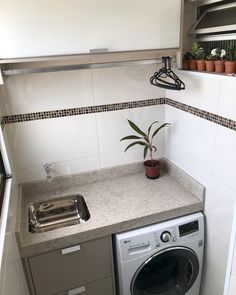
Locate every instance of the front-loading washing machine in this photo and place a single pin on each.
(161, 259)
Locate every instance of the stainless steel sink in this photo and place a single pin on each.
(57, 213)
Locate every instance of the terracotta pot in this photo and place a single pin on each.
(201, 66)
(229, 67)
(219, 66)
(210, 65)
(185, 64)
(193, 65)
(152, 168)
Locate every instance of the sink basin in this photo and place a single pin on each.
(57, 213)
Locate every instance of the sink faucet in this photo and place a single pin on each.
(47, 168)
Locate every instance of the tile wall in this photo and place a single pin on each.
(12, 277)
(207, 152)
(232, 285)
(84, 142)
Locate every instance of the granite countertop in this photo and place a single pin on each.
(118, 199)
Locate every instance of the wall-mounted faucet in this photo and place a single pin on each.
(48, 169)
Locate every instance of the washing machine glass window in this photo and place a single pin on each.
(172, 271)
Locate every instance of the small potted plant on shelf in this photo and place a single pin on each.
(230, 59)
(210, 63)
(199, 56)
(152, 167)
(193, 61)
(219, 55)
(186, 60)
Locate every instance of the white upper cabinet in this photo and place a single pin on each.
(51, 27)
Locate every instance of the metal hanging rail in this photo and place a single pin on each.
(93, 60)
(24, 71)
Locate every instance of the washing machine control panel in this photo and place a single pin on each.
(188, 228)
(165, 236)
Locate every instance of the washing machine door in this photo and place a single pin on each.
(172, 271)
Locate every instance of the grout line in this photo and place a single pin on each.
(225, 122)
(96, 120)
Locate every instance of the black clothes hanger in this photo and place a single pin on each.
(172, 80)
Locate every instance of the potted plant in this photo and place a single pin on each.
(200, 57)
(198, 62)
(152, 167)
(219, 55)
(186, 60)
(193, 61)
(210, 63)
(230, 59)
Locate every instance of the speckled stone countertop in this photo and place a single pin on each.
(118, 199)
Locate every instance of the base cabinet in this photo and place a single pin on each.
(103, 287)
(80, 269)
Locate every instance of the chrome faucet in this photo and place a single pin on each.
(47, 168)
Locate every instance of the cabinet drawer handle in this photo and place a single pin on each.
(70, 250)
(77, 291)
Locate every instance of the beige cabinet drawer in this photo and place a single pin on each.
(101, 287)
(65, 269)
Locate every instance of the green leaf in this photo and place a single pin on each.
(158, 129)
(136, 128)
(134, 143)
(130, 137)
(150, 127)
(145, 151)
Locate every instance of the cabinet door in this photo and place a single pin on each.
(66, 269)
(101, 287)
(50, 27)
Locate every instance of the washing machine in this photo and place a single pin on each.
(161, 259)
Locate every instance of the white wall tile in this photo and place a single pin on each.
(12, 279)
(219, 206)
(123, 84)
(58, 168)
(227, 101)
(191, 137)
(215, 261)
(232, 288)
(234, 263)
(225, 156)
(54, 141)
(49, 91)
(202, 90)
(119, 158)
(207, 152)
(216, 252)
(113, 126)
(211, 283)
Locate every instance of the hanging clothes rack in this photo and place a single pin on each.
(166, 78)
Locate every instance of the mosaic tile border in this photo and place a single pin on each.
(82, 110)
(228, 123)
